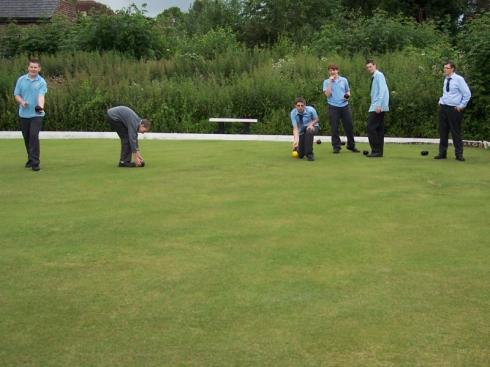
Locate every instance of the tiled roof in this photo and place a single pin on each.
(18, 9)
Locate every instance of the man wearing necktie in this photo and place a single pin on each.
(380, 99)
(455, 97)
(304, 120)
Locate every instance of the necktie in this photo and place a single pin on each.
(371, 85)
(447, 84)
(300, 118)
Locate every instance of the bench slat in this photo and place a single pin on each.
(229, 119)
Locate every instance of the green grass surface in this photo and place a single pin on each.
(234, 254)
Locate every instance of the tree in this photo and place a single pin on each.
(475, 43)
(264, 21)
(206, 15)
(421, 10)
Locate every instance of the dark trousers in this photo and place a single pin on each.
(122, 132)
(30, 131)
(305, 146)
(450, 121)
(344, 114)
(376, 131)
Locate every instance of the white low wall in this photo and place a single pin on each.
(232, 137)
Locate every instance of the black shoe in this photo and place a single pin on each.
(310, 157)
(440, 156)
(354, 150)
(336, 151)
(28, 164)
(36, 168)
(460, 158)
(374, 155)
(127, 164)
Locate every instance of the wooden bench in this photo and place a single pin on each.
(221, 123)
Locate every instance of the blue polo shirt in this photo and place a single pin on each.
(29, 90)
(340, 87)
(308, 115)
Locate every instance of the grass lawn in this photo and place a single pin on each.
(235, 254)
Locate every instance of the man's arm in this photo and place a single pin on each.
(21, 101)
(327, 87)
(314, 119)
(295, 137)
(466, 94)
(40, 101)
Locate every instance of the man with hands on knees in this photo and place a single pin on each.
(304, 120)
(127, 125)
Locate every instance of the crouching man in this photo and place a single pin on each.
(127, 125)
(304, 120)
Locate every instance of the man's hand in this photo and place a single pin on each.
(138, 161)
(23, 104)
(459, 109)
(311, 126)
(378, 109)
(39, 109)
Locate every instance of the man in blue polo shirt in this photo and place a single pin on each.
(304, 120)
(29, 94)
(455, 97)
(380, 99)
(337, 90)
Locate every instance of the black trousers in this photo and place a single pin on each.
(122, 132)
(30, 131)
(305, 146)
(344, 114)
(376, 131)
(450, 120)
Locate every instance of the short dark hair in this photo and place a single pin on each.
(370, 61)
(299, 100)
(451, 64)
(146, 124)
(333, 67)
(33, 60)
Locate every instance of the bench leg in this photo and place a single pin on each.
(221, 127)
(246, 128)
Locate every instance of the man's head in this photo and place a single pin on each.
(300, 104)
(33, 68)
(370, 66)
(145, 126)
(449, 68)
(333, 70)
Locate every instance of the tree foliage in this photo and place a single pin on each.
(474, 41)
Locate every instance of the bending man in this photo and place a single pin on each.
(127, 125)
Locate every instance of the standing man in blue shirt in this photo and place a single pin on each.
(337, 90)
(304, 120)
(455, 97)
(29, 94)
(380, 99)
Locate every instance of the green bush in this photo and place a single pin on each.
(181, 97)
(474, 40)
(351, 32)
